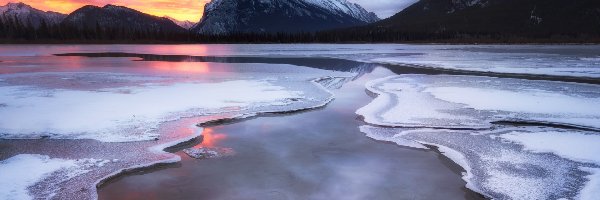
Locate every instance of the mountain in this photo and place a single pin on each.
(528, 18)
(273, 16)
(118, 18)
(183, 24)
(29, 16)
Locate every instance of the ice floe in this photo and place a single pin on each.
(208, 152)
(126, 113)
(521, 59)
(391, 136)
(445, 101)
(457, 114)
(576, 146)
(592, 188)
(497, 168)
(23, 171)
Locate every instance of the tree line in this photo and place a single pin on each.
(12, 30)
(15, 30)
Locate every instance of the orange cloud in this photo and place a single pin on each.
(179, 9)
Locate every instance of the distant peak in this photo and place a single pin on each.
(176, 20)
(111, 6)
(17, 5)
(90, 6)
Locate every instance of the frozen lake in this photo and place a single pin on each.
(299, 121)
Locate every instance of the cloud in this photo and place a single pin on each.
(178, 9)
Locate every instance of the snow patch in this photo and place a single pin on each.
(111, 115)
(444, 101)
(390, 137)
(592, 188)
(571, 145)
(461, 161)
(25, 170)
(571, 61)
(496, 168)
(514, 101)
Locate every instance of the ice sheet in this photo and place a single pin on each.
(25, 170)
(390, 137)
(113, 100)
(577, 61)
(475, 102)
(127, 113)
(592, 188)
(557, 60)
(576, 146)
(506, 162)
(496, 168)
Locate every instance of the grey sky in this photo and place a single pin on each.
(384, 8)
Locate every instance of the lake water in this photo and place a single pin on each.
(299, 121)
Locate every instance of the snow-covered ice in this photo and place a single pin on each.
(557, 60)
(576, 146)
(501, 169)
(128, 113)
(475, 102)
(107, 99)
(390, 136)
(592, 188)
(576, 60)
(457, 114)
(25, 170)
(132, 110)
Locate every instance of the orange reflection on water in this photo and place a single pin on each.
(210, 138)
(191, 50)
(186, 67)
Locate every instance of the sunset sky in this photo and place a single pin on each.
(186, 9)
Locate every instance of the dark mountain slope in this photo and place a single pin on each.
(505, 21)
(119, 18)
(273, 16)
(505, 17)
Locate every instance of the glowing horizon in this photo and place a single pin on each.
(190, 10)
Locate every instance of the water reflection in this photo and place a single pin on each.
(319, 154)
(185, 67)
(336, 64)
(319, 63)
(210, 138)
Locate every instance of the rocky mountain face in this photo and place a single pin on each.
(186, 24)
(518, 17)
(274, 16)
(118, 18)
(28, 16)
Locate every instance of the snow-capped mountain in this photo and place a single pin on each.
(343, 7)
(271, 16)
(118, 18)
(184, 24)
(28, 15)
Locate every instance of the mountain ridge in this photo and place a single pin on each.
(118, 17)
(183, 24)
(275, 16)
(28, 15)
